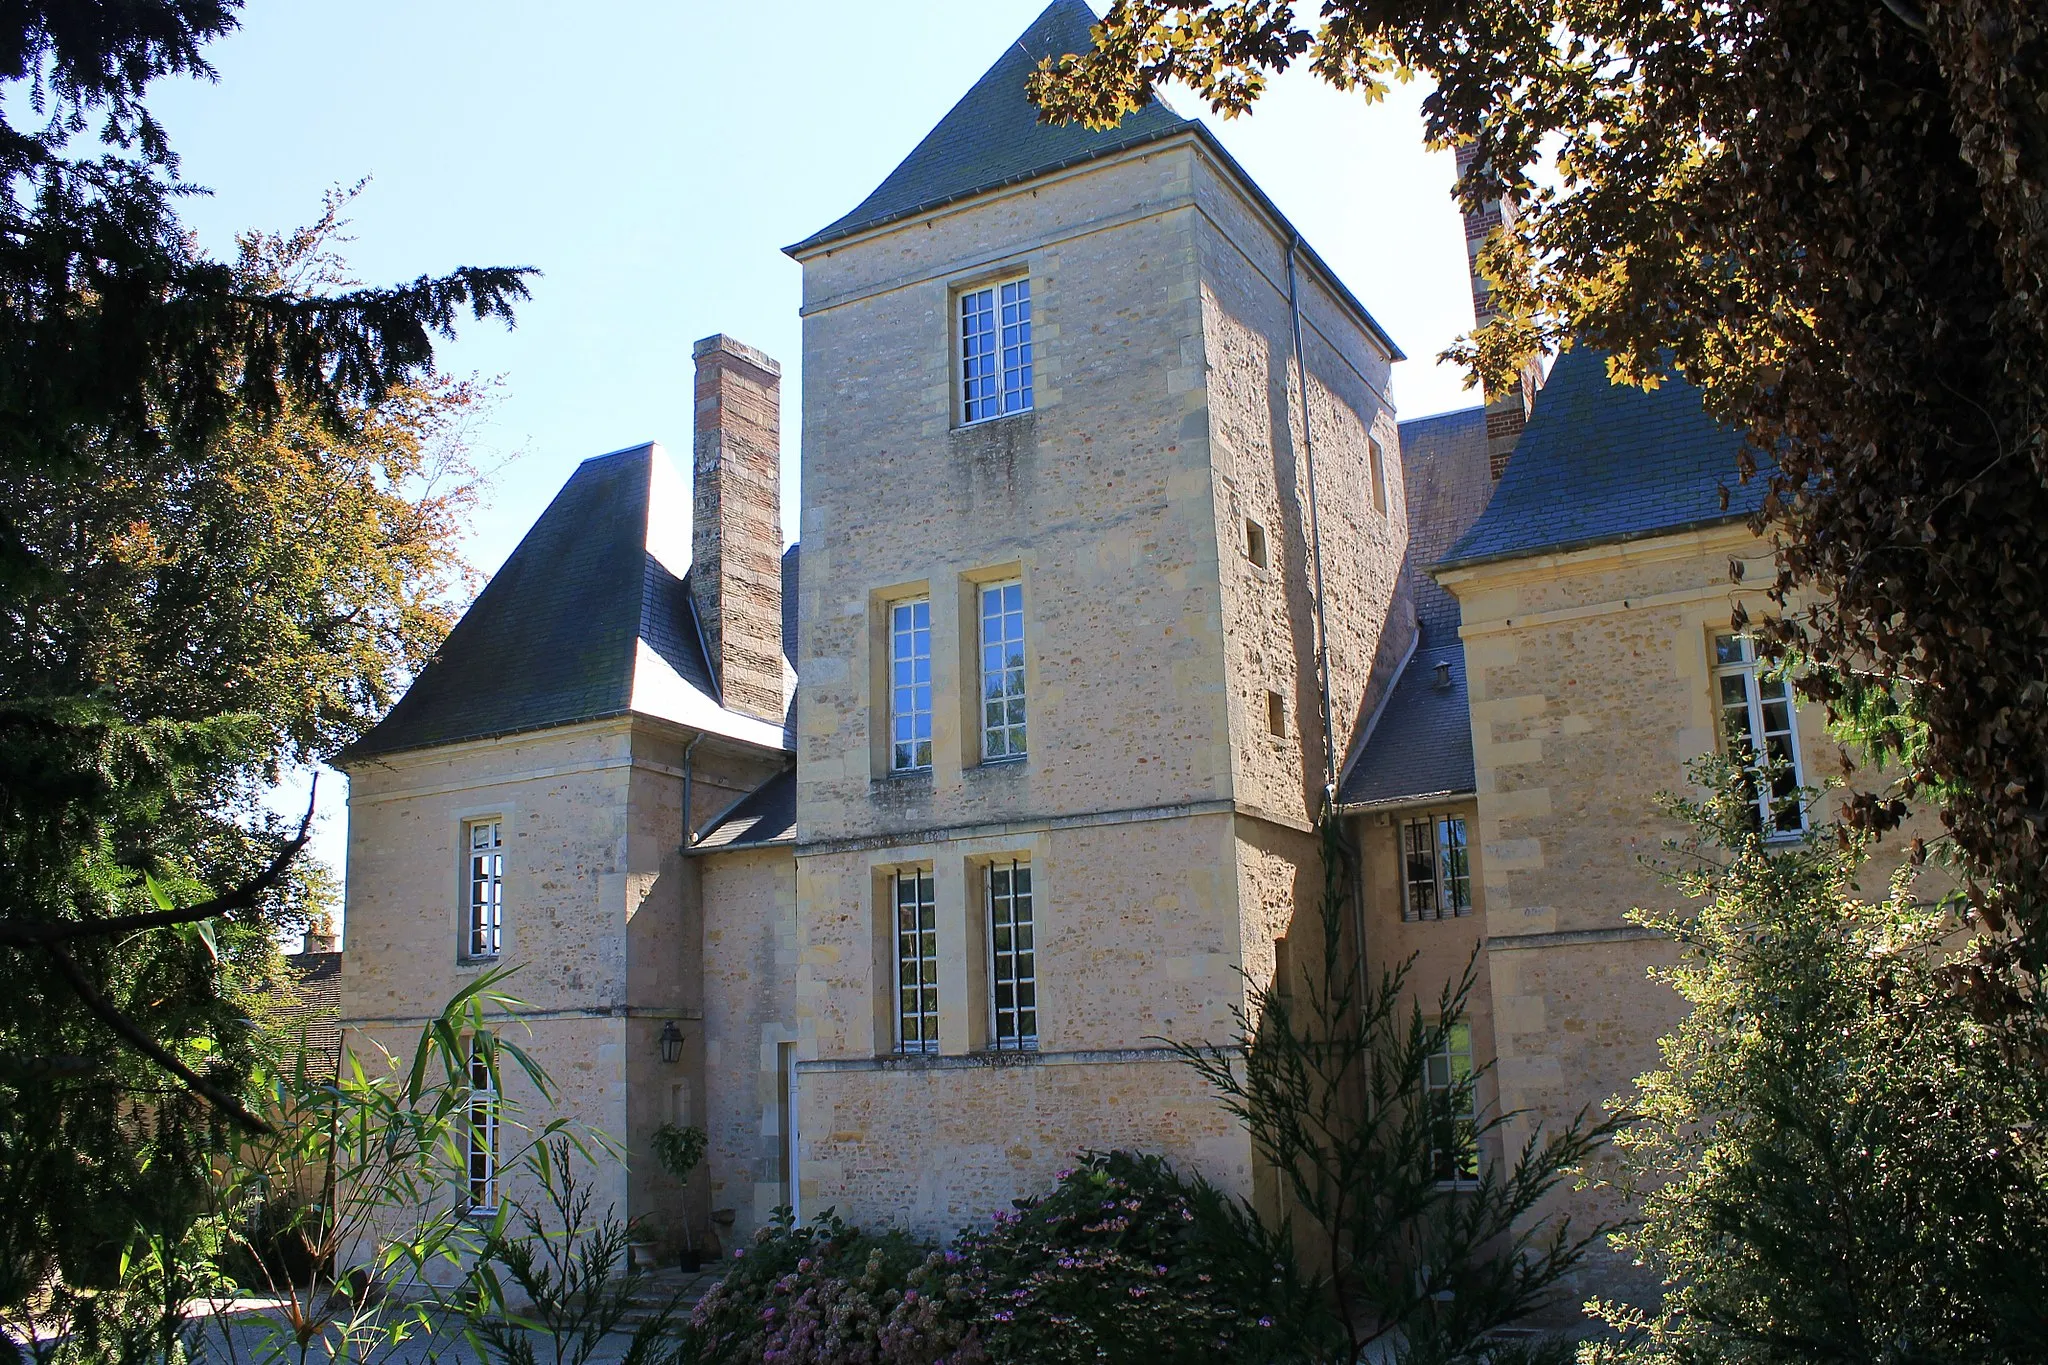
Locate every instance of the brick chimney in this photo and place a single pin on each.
(736, 523)
(1506, 413)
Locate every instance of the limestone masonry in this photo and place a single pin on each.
(1115, 566)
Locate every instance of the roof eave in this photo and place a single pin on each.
(1563, 547)
(1386, 803)
(1191, 128)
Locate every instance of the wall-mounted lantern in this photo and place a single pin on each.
(671, 1043)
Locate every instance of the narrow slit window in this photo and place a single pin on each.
(1436, 868)
(1002, 671)
(1276, 715)
(480, 1140)
(917, 962)
(1454, 1108)
(485, 840)
(1255, 542)
(1760, 732)
(1013, 958)
(910, 685)
(1377, 455)
(995, 350)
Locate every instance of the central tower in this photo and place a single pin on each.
(1060, 736)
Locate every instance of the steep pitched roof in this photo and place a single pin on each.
(1420, 745)
(1446, 482)
(1602, 462)
(993, 137)
(764, 816)
(587, 619)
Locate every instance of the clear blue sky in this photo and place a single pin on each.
(652, 159)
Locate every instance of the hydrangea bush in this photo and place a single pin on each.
(1124, 1261)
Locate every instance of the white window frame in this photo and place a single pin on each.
(1442, 1069)
(481, 1132)
(910, 685)
(1002, 670)
(996, 367)
(483, 880)
(1013, 1008)
(1781, 813)
(1436, 867)
(917, 958)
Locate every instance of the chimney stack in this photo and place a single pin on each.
(1506, 413)
(736, 523)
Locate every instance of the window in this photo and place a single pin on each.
(1436, 868)
(1276, 715)
(995, 350)
(1758, 728)
(1002, 671)
(485, 844)
(480, 1140)
(1454, 1108)
(1255, 542)
(1378, 456)
(910, 685)
(1013, 958)
(917, 962)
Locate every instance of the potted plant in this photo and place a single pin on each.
(679, 1150)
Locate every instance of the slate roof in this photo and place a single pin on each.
(1601, 462)
(763, 817)
(993, 138)
(587, 619)
(313, 982)
(1419, 747)
(1446, 479)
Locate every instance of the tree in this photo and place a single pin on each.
(227, 509)
(1838, 1159)
(1424, 1245)
(1832, 217)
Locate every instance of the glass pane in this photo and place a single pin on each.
(1730, 649)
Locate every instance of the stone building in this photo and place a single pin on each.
(1115, 562)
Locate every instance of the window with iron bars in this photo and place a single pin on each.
(1013, 958)
(1436, 868)
(917, 961)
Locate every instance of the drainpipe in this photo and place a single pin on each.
(689, 825)
(1352, 855)
(1308, 449)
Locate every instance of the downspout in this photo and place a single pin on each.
(1346, 850)
(689, 824)
(1308, 449)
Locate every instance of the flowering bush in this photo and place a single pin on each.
(1128, 1261)
(828, 1294)
(1125, 1261)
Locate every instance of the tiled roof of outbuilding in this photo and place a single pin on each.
(584, 621)
(313, 983)
(993, 136)
(764, 816)
(1420, 744)
(1602, 462)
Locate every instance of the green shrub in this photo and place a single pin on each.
(1126, 1260)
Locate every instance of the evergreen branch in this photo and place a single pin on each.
(132, 1034)
(29, 933)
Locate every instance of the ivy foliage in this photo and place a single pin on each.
(1832, 217)
(1839, 1159)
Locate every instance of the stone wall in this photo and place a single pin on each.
(601, 914)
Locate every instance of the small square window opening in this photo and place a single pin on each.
(1255, 542)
